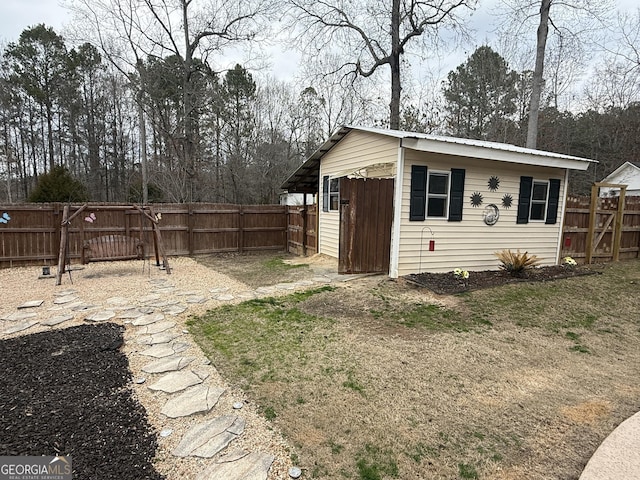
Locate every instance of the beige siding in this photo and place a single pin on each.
(356, 150)
(470, 244)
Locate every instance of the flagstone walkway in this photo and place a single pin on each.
(179, 380)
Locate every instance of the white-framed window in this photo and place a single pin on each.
(437, 194)
(330, 194)
(334, 194)
(539, 200)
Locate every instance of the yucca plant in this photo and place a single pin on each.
(516, 263)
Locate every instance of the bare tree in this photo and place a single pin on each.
(375, 35)
(573, 18)
(131, 30)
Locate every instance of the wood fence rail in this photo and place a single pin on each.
(30, 233)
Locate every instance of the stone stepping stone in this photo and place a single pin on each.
(224, 298)
(176, 381)
(64, 293)
(65, 299)
(130, 314)
(164, 303)
(233, 456)
(117, 301)
(147, 319)
(121, 308)
(146, 310)
(165, 349)
(205, 437)
(174, 309)
(246, 295)
(157, 327)
(200, 398)
(150, 298)
(101, 316)
(167, 289)
(304, 283)
(265, 290)
(168, 364)
(188, 293)
(286, 286)
(321, 280)
(219, 290)
(31, 304)
(196, 299)
(19, 326)
(56, 320)
(254, 466)
(83, 307)
(18, 316)
(164, 337)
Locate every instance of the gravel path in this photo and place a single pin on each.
(129, 294)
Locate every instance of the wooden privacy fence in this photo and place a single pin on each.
(30, 234)
(609, 225)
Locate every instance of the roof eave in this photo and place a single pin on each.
(525, 157)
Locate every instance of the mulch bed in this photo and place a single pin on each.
(448, 284)
(67, 392)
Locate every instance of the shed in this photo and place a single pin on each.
(401, 202)
(626, 174)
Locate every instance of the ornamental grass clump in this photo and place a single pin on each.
(516, 263)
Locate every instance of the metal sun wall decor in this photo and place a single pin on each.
(507, 200)
(476, 199)
(493, 183)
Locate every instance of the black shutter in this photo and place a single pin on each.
(456, 195)
(418, 198)
(524, 199)
(325, 193)
(554, 197)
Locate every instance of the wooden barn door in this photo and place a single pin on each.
(366, 213)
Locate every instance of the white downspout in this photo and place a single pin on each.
(394, 256)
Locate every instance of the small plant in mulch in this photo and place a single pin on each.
(516, 263)
(569, 263)
(462, 276)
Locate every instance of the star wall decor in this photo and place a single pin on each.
(494, 183)
(476, 199)
(507, 200)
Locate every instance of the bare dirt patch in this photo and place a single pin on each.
(257, 269)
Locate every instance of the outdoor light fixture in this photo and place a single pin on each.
(46, 271)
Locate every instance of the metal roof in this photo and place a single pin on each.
(305, 178)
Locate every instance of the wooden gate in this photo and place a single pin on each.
(366, 214)
(608, 224)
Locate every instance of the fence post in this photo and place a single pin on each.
(618, 225)
(190, 227)
(592, 222)
(241, 229)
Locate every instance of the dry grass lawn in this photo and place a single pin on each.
(376, 379)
